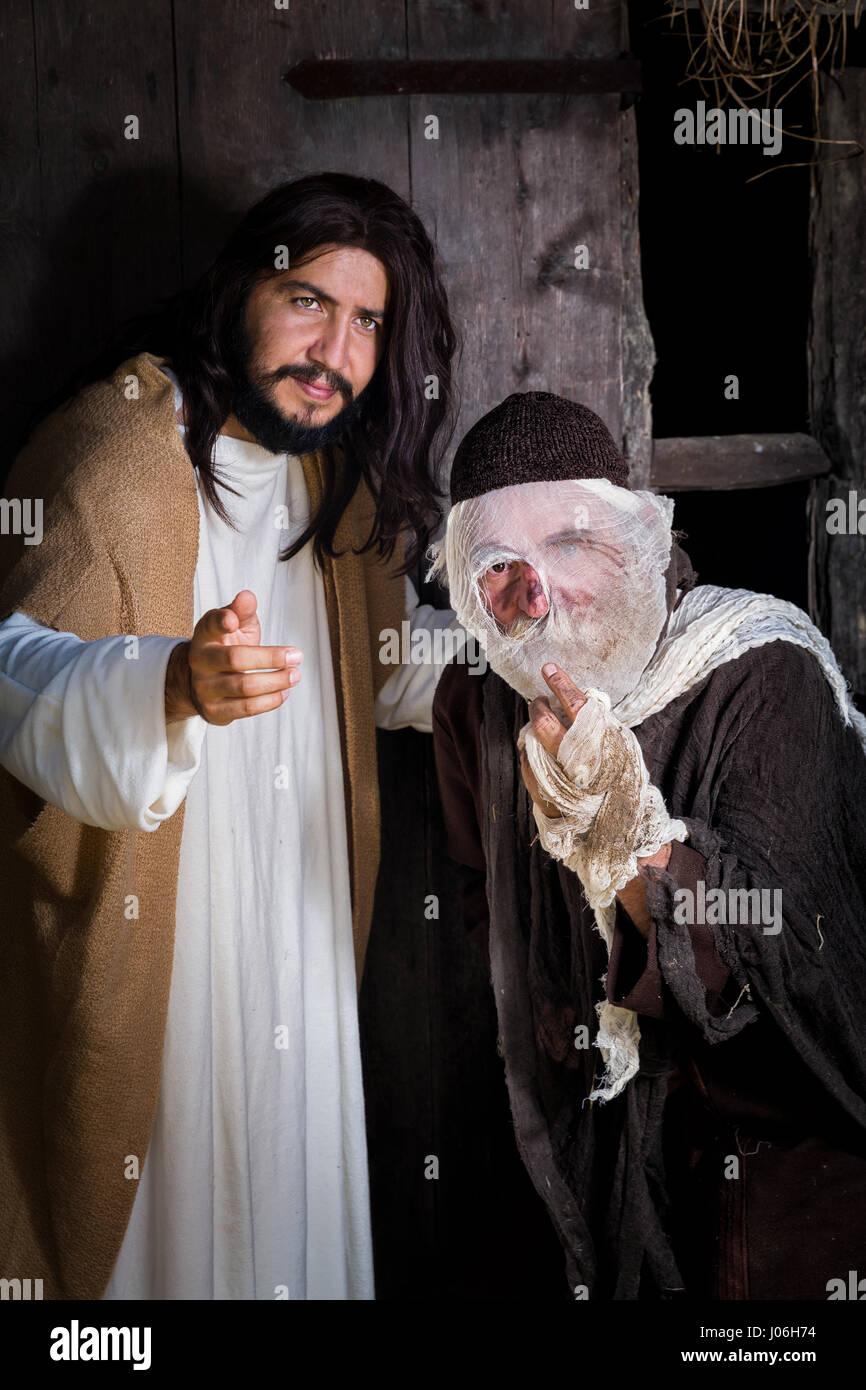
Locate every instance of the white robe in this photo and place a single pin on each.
(255, 1182)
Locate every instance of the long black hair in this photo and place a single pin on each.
(396, 441)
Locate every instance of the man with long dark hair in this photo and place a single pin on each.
(228, 522)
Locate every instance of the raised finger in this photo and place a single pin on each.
(565, 690)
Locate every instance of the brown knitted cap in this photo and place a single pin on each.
(534, 437)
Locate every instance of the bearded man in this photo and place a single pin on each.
(676, 921)
(183, 1114)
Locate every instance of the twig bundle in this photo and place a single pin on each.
(749, 50)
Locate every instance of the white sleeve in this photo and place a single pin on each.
(83, 725)
(429, 640)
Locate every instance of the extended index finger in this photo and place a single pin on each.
(215, 657)
(565, 690)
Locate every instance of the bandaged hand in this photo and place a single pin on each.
(594, 805)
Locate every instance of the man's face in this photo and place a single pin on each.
(312, 339)
(576, 557)
(571, 572)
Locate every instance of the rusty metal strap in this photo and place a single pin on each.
(328, 79)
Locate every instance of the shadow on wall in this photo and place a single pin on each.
(116, 257)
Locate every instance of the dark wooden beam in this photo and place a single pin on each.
(837, 371)
(714, 462)
(329, 79)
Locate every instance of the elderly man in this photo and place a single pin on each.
(676, 921)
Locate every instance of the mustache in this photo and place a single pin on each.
(524, 626)
(310, 374)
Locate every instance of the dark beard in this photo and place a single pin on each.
(256, 411)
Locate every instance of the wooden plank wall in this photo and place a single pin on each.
(837, 360)
(90, 222)
(96, 228)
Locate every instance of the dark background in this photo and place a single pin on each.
(726, 279)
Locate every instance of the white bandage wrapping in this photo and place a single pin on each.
(611, 815)
(598, 554)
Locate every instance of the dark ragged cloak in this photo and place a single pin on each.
(772, 787)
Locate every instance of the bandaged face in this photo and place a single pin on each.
(570, 572)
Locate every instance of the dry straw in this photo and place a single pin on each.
(749, 51)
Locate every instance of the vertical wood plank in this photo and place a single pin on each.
(93, 228)
(20, 218)
(513, 186)
(837, 360)
(638, 351)
(243, 129)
